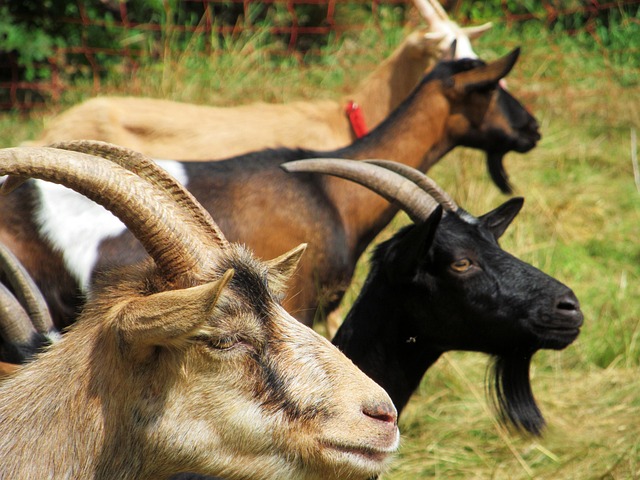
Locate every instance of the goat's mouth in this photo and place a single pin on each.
(526, 141)
(556, 335)
(371, 456)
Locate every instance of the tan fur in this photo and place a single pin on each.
(181, 131)
(94, 407)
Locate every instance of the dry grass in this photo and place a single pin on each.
(581, 223)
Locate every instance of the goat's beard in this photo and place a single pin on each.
(508, 381)
(495, 164)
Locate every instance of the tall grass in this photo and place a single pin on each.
(581, 224)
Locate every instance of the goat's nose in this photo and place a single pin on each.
(383, 411)
(568, 306)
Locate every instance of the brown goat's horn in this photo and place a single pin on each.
(146, 168)
(26, 291)
(420, 179)
(168, 232)
(393, 187)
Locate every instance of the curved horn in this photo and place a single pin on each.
(170, 235)
(422, 180)
(26, 292)
(431, 10)
(393, 187)
(146, 168)
(15, 325)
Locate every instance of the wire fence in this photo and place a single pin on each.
(302, 24)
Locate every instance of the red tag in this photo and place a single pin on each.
(356, 119)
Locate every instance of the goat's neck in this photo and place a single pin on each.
(74, 425)
(390, 83)
(60, 423)
(415, 136)
(379, 340)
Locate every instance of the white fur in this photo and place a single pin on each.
(76, 226)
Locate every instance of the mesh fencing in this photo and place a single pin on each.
(300, 24)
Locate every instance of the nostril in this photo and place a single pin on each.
(568, 302)
(385, 412)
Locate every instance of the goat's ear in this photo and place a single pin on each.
(407, 255)
(499, 219)
(282, 268)
(169, 318)
(486, 76)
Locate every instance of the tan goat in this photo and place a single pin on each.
(185, 362)
(167, 129)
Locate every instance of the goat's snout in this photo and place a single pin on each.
(382, 411)
(568, 310)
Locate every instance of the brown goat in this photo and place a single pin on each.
(255, 202)
(167, 129)
(185, 362)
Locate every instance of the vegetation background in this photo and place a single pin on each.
(580, 75)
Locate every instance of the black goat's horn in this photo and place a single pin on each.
(423, 181)
(390, 185)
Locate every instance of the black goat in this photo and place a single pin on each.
(444, 284)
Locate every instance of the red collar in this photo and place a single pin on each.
(354, 112)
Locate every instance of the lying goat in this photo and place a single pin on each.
(185, 362)
(255, 202)
(166, 129)
(444, 284)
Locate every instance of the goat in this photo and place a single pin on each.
(186, 361)
(167, 129)
(256, 202)
(443, 283)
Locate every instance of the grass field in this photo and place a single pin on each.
(581, 224)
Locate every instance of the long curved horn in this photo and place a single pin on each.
(393, 187)
(26, 292)
(15, 325)
(146, 168)
(172, 238)
(422, 180)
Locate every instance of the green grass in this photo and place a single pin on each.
(580, 223)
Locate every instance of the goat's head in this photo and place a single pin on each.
(445, 31)
(451, 267)
(193, 346)
(483, 115)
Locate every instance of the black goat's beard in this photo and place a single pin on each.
(510, 387)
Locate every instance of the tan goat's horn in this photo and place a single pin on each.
(423, 181)
(15, 324)
(390, 185)
(26, 292)
(431, 10)
(146, 168)
(168, 232)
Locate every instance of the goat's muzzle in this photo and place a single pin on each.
(562, 326)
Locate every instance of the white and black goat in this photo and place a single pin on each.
(186, 361)
(62, 238)
(445, 284)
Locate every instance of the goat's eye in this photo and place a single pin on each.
(223, 343)
(461, 266)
